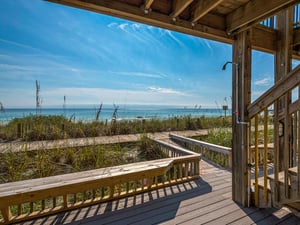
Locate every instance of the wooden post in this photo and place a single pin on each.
(241, 95)
(283, 65)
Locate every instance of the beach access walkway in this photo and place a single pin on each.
(206, 200)
(77, 142)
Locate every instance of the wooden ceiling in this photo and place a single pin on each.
(212, 19)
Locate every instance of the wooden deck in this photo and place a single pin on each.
(76, 142)
(203, 201)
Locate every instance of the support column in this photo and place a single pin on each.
(283, 65)
(241, 98)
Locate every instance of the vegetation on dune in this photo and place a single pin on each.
(149, 150)
(39, 127)
(218, 136)
(23, 165)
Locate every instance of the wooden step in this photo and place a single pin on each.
(292, 186)
(293, 196)
(294, 208)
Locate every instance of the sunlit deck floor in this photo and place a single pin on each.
(203, 201)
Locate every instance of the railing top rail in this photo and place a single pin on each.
(177, 148)
(34, 185)
(213, 147)
(279, 89)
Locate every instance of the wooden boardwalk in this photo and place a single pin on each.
(76, 142)
(206, 200)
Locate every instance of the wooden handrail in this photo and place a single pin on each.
(51, 195)
(211, 147)
(178, 151)
(279, 89)
(206, 147)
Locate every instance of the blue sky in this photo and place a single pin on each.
(92, 58)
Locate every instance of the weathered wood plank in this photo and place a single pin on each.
(172, 205)
(102, 140)
(233, 216)
(204, 7)
(180, 6)
(35, 184)
(285, 84)
(255, 11)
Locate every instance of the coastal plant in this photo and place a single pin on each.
(12, 166)
(148, 149)
(219, 136)
(33, 128)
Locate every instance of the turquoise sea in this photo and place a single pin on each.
(88, 114)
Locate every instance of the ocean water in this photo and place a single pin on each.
(88, 114)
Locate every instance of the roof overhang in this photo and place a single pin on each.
(216, 20)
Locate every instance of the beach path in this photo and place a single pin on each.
(77, 142)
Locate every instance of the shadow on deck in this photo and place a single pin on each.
(206, 200)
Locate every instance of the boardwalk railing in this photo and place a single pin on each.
(212, 152)
(271, 21)
(29, 199)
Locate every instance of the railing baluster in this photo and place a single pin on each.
(65, 201)
(54, 202)
(19, 209)
(31, 207)
(180, 170)
(43, 204)
(286, 144)
(6, 213)
(266, 155)
(256, 161)
(298, 147)
(75, 198)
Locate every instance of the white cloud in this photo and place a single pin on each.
(8, 42)
(136, 26)
(264, 81)
(146, 33)
(173, 37)
(123, 26)
(141, 74)
(207, 43)
(166, 91)
(112, 25)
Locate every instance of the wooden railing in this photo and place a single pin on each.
(271, 21)
(276, 179)
(29, 199)
(297, 16)
(212, 152)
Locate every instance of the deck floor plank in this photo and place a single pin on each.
(206, 200)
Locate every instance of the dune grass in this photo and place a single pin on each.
(33, 128)
(34, 164)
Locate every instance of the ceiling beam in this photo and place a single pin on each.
(133, 13)
(204, 7)
(255, 11)
(148, 4)
(180, 6)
